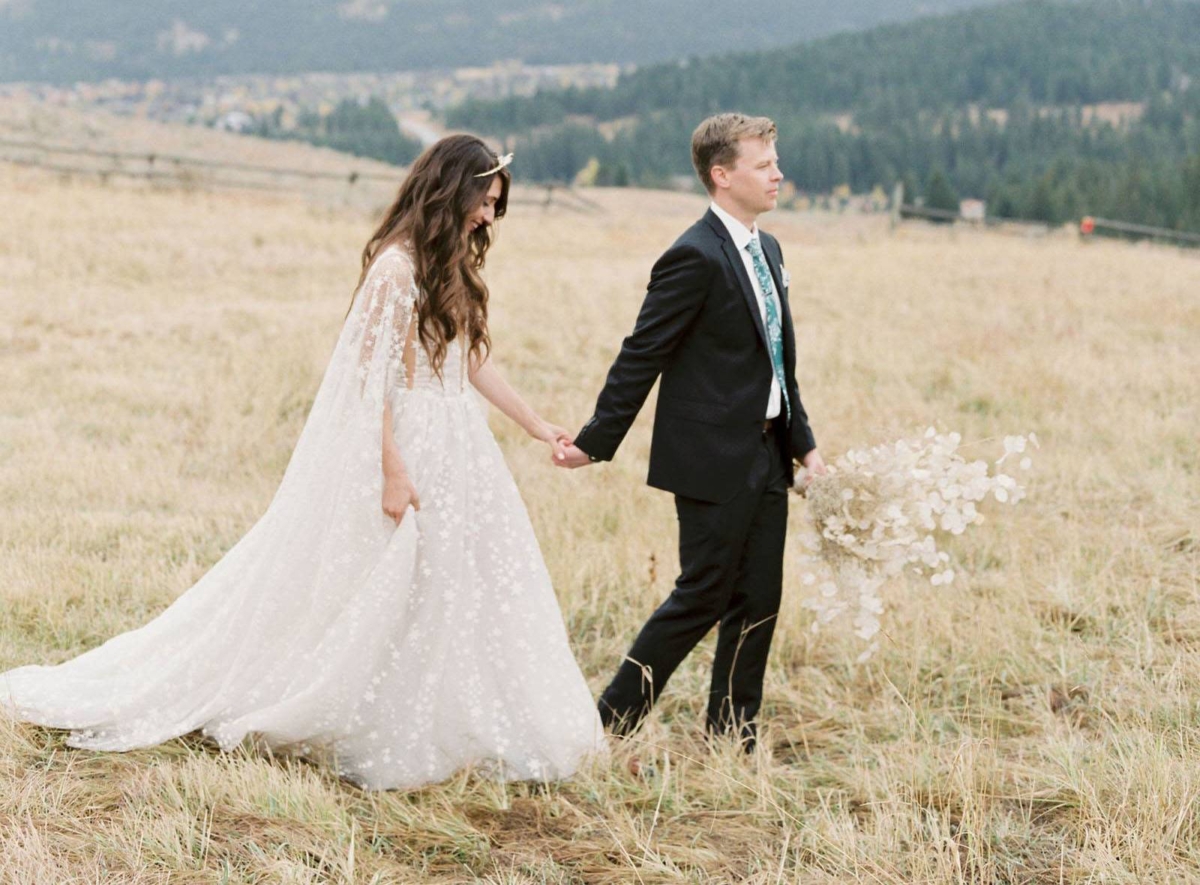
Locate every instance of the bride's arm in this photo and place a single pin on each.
(385, 303)
(491, 384)
(398, 490)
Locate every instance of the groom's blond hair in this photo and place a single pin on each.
(715, 141)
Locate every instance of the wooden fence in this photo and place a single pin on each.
(198, 172)
(1088, 226)
(1127, 229)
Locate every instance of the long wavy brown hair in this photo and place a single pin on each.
(430, 213)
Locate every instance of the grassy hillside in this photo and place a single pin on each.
(65, 40)
(1036, 723)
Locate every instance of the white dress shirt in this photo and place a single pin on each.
(741, 236)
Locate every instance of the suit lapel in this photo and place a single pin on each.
(739, 270)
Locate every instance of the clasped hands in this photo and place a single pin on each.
(572, 456)
(564, 453)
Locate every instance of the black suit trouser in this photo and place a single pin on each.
(731, 564)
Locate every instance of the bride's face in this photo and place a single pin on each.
(485, 213)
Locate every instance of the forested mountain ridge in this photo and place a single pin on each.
(66, 40)
(1042, 51)
(998, 102)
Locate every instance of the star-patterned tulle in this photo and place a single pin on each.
(396, 654)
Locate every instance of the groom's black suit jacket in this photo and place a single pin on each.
(700, 328)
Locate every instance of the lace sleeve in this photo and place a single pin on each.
(383, 312)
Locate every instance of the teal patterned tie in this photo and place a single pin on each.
(774, 327)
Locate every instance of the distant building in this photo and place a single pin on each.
(235, 121)
(973, 210)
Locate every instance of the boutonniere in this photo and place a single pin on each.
(787, 278)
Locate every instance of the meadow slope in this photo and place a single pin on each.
(1039, 721)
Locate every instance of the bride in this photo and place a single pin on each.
(390, 613)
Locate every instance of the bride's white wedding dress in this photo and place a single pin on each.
(398, 654)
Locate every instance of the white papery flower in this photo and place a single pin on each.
(876, 512)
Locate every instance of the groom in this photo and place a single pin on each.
(715, 325)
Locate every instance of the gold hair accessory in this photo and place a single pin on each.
(503, 161)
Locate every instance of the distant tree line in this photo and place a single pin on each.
(365, 130)
(65, 41)
(997, 102)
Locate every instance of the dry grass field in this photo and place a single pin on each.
(1039, 721)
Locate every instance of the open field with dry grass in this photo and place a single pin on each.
(1037, 722)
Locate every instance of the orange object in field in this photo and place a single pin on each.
(1087, 226)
